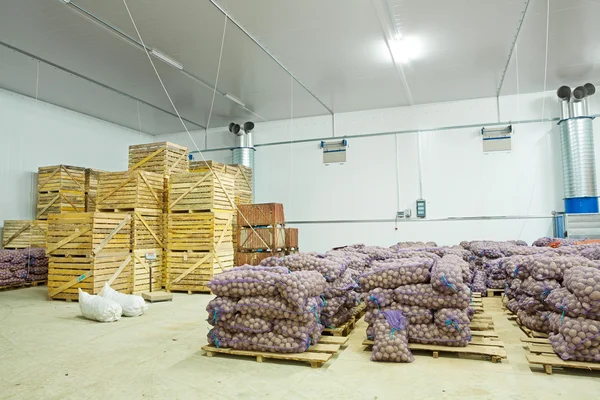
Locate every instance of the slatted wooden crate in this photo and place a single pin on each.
(88, 234)
(130, 191)
(206, 166)
(268, 214)
(260, 238)
(61, 177)
(64, 201)
(87, 250)
(66, 274)
(147, 264)
(204, 231)
(18, 234)
(91, 188)
(200, 191)
(291, 238)
(191, 271)
(147, 230)
(164, 158)
(255, 257)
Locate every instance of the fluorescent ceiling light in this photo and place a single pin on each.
(166, 59)
(234, 99)
(66, 1)
(405, 49)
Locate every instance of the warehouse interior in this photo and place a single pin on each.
(371, 188)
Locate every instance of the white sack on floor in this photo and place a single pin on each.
(133, 306)
(99, 308)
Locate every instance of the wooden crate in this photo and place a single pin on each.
(144, 267)
(255, 257)
(191, 271)
(61, 177)
(206, 166)
(147, 230)
(204, 231)
(260, 238)
(19, 234)
(268, 214)
(64, 201)
(291, 238)
(88, 234)
(91, 188)
(243, 180)
(66, 274)
(130, 191)
(163, 158)
(201, 191)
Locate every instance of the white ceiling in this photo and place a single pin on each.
(336, 48)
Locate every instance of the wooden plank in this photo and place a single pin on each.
(315, 359)
(549, 361)
(484, 333)
(340, 340)
(535, 340)
(482, 350)
(324, 348)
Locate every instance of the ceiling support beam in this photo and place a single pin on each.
(512, 48)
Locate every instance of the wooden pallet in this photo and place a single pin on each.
(205, 231)
(131, 191)
(22, 285)
(482, 345)
(530, 332)
(495, 292)
(346, 328)
(163, 158)
(540, 352)
(19, 234)
(201, 191)
(316, 355)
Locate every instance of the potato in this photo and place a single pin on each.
(390, 338)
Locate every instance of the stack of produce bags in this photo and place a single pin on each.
(25, 265)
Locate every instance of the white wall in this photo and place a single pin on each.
(34, 134)
(458, 179)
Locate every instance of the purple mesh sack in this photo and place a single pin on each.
(356, 261)
(332, 305)
(566, 303)
(466, 255)
(470, 313)
(279, 308)
(273, 261)
(537, 321)
(513, 305)
(401, 254)
(542, 242)
(6, 256)
(549, 267)
(593, 253)
(329, 269)
(584, 283)
(423, 295)
(414, 314)
(430, 334)
(577, 339)
(380, 297)
(496, 283)
(220, 309)
(247, 323)
(538, 289)
(241, 282)
(37, 277)
(479, 283)
(513, 286)
(451, 320)
(447, 274)
(269, 342)
(390, 275)
(220, 337)
(390, 338)
(531, 305)
(298, 330)
(341, 285)
(339, 318)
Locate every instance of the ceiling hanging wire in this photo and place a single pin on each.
(212, 103)
(546, 60)
(240, 214)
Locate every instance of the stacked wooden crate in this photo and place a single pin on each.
(91, 188)
(262, 233)
(86, 251)
(61, 189)
(199, 233)
(139, 194)
(23, 234)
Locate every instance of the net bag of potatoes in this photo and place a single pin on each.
(577, 339)
(390, 338)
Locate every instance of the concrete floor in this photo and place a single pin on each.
(48, 351)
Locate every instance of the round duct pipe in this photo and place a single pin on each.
(243, 152)
(564, 94)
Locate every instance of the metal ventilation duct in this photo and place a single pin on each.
(577, 147)
(243, 152)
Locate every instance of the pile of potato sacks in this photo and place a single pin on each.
(266, 309)
(430, 293)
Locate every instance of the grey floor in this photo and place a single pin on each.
(48, 351)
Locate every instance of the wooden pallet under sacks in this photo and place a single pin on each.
(316, 355)
(540, 352)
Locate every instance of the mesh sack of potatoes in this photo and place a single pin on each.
(479, 282)
(531, 304)
(409, 245)
(470, 312)
(333, 304)
(329, 269)
(431, 334)
(447, 274)
(414, 314)
(566, 303)
(549, 267)
(577, 339)
(295, 329)
(486, 249)
(273, 261)
(379, 297)
(246, 323)
(451, 320)
(496, 283)
(342, 316)
(592, 253)
(220, 309)
(376, 252)
(346, 282)
(356, 261)
(512, 287)
(279, 308)
(584, 283)
(513, 305)
(516, 266)
(542, 242)
(538, 289)
(269, 342)
(390, 275)
(466, 255)
(423, 295)
(537, 321)
(390, 341)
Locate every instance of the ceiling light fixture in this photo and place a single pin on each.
(405, 49)
(166, 59)
(234, 99)
(65, 1)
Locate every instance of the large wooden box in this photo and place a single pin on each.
(147, 265)
(163, 158)
(64, 201)
(61, 177)
(291, 238)
(91, 188)
(272, 238)
(130, 191)
(19, 234)
(191, 271)
(268, 214)
(254, 258)
(147, 230)
(201, 191)
(206, 166)
(243, 179)
(203, 231)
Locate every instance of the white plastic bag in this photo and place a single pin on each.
(133, 306)
(99, 308)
